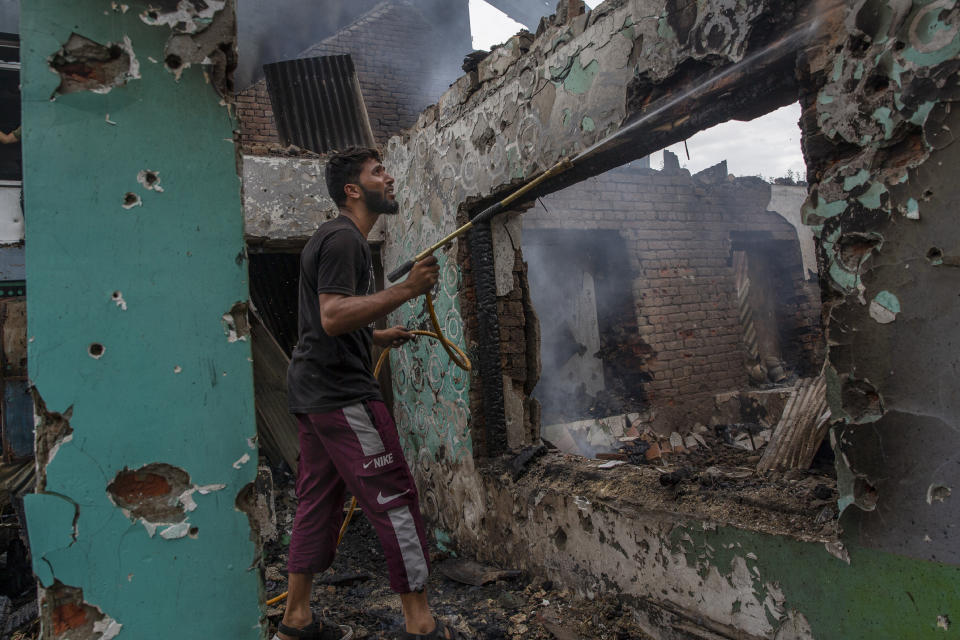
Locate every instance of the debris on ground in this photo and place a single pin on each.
(507, 605)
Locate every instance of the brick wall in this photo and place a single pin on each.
(679, 234)
(403, 64)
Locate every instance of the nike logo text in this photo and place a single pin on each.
(380, 462)
(382, 500)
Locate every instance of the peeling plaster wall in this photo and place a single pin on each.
(882, 157)
(143, 384)
(877, 139)
(284, 197)
(693, 578)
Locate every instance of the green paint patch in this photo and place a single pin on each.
(871, 198)
(920, 115)
(813, 581)
(822, 210)
(882, 115)
(57, 514)
(856, 180)
(896, 70)
(664, 30)
(579, 77)
(824, 99)
(587, 124)
(837, 68)
(627, 29)
(444, 542)
(935, 42)
(884, 307)
(846, 280)
(858, 71)
(913, 209)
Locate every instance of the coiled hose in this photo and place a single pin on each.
(458, 357)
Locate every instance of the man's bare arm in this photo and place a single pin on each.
(341, 314)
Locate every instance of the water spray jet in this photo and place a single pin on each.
(714, 87)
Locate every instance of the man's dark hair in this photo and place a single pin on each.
(344, 168)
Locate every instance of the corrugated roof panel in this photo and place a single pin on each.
(317, 103)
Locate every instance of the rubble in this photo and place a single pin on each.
(489, 603)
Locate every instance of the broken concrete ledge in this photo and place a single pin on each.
(734, 574)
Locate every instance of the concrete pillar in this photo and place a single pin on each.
(137, 328)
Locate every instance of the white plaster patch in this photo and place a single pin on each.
(244, 459)
(179, 530)
(109, 627)
(186, 498)
(185, 19)
(210, 488)
(56, 446)
(109, 121)
(252, 442)
(149, 526)
(943, 621)
(177, 369)
(795, 627)
(881, 314)
(611, 464)
(837, 550)
(117, 297)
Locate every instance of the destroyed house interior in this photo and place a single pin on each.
(659, 399)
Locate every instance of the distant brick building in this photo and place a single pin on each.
(405, 56)
(660, 289)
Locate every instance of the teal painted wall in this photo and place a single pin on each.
(875, 595)
(169, 387)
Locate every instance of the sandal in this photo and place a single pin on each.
(319, 629)
(440, 632)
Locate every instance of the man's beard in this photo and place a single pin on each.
(377, 203)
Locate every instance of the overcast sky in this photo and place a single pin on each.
(768, 146)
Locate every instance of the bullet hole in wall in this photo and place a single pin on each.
(193, 532)
(935, 255)
(85, 65)
(150, 180)
(130, 200)
(151, 492)
(96, 350)
(173, 62)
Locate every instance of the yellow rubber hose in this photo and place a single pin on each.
(458, 357)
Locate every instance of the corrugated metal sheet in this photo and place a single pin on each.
(276, 427)
(317, 103)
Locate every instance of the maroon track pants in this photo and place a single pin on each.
(357, 449)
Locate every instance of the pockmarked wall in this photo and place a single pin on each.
(138, 348)
(876, 80)
(882, 156)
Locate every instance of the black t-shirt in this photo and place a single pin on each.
(328, 373)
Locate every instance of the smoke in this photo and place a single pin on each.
(580, 285)
(275, 30)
